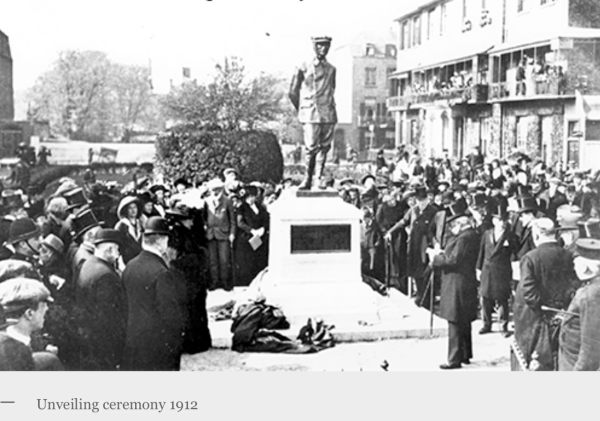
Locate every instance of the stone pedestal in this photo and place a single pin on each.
(314, 260)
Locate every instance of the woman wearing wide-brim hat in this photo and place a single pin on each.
(129, 212)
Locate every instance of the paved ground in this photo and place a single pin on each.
(491, 353)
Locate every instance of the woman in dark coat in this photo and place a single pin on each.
(253, 223)
(458, 303)
(494, 261)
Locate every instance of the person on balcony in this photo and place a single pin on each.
(520, 77)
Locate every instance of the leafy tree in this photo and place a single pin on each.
(86, 96)
(222, 124)
(230, 101)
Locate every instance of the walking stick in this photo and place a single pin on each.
(431, 300)
(388, 263)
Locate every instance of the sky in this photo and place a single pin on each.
(270, 35)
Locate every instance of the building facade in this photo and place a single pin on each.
(6, 80)
(487, 73)
(363, 84)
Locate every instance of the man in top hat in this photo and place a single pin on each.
(527, 211)
(220, 221)
(497, 246)
(155, 295)
(458, 303)
(547, 279)
(579, 341)
(100, 298)
(419, 220)
(84, 227)
(23, 306)
(312, 95)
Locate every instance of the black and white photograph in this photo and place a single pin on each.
(299, 186)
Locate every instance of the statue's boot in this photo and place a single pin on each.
(310, 169)
(321, 160)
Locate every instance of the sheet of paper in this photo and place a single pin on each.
(255, 242)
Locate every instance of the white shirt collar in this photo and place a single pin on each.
(18, 336)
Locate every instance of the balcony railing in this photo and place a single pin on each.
(377, 122)
(540, 88)
(471, 94)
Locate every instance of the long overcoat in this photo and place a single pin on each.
(102, 315)
(459, 284)
(547, 279)
(156, 322)
(494, 261)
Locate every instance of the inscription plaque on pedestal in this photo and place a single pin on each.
(320, 238)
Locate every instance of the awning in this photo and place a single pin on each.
(515, 46)
(438, 55)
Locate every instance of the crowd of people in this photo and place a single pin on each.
(98, 278)
(95, 277)
(513, 235)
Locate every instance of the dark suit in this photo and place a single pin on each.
(220, 224)
(547, 278)
(419, 238)
(51, 226)
(526, 243)
(156, 322)
(552, 203)
(459, 292)
(494, 261)
(102, 306)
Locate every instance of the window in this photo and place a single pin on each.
(405, 36)
(370, 76)
(370, 50)
(430, 24)
(592, 130)
(520, 5)
(417, 30)
(442, 18)
(389, 82)
(574, 129)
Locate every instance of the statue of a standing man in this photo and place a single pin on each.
(312, 94)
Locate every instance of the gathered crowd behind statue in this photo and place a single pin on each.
(93, 278)
(98, 278)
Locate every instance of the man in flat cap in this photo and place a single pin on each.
(579, 341)
(312, 94)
